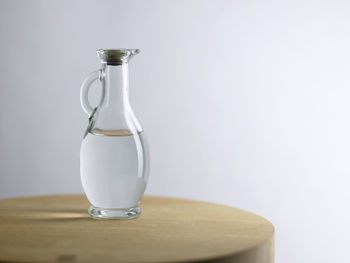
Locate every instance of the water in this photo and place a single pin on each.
(114, 167)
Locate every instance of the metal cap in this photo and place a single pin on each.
(116, 56)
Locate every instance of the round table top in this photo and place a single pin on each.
(59, 229)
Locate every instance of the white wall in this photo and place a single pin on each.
(245, 103)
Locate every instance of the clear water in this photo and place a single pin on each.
(114, 167)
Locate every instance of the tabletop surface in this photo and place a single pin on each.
(59, 229)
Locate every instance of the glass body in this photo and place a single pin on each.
(114, 156)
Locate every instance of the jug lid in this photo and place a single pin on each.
(116, 56)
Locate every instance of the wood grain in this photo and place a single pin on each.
(58, 229)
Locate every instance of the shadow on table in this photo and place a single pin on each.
(45, 215)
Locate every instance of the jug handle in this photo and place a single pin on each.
(84, 91)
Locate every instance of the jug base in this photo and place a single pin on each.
(119, 213)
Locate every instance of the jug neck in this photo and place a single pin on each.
(116, 85)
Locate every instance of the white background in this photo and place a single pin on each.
(245, 103)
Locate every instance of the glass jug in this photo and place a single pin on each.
(114, 157)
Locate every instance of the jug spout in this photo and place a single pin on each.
(116, 56)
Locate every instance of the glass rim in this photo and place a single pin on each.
(116, 56)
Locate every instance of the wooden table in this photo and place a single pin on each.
(58, 229)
